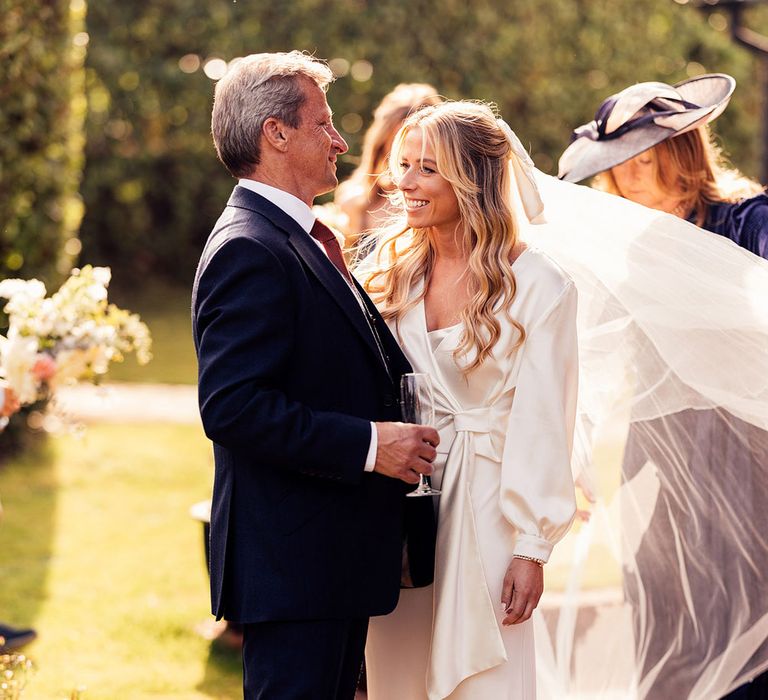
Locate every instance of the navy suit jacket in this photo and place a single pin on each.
(289, 379)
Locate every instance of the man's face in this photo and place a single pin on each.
(314, 145)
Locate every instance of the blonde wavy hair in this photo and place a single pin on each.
(473, 154)
(692, 166)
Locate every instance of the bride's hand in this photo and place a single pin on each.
(523, 586)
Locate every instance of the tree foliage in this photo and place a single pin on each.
(153, 187)
(42, 108)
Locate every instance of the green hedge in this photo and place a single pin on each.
(153, 188)
(42, 108)
(42, 111)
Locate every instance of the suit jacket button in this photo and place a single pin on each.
(389, 400)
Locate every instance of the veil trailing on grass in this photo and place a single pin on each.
(664, 592)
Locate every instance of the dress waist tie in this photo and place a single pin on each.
(466, 639)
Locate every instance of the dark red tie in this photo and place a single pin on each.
(323, 234)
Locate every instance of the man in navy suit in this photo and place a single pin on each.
(298, 387)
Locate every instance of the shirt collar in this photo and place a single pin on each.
(289, 203)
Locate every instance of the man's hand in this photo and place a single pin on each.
(523, 586)
(405, 450)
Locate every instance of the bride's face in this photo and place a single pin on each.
(430, 201)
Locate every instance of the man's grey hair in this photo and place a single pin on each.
(255, 88)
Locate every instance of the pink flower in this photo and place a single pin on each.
(44, 368)
(10, 403)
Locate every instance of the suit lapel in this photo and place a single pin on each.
(330, 278)
(318, 263)
(398, 361)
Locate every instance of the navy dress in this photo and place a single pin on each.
(710, 445)
(745, 223)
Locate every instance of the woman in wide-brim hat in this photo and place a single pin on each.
(650, 143)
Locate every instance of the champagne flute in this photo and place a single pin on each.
(418, 406)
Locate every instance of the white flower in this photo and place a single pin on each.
(75, 327)
(102, 275)
(18, 355)
(100, 359)
(72, 365)
(34, 289)
(96, 292)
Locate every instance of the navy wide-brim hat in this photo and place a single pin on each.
(639, 117)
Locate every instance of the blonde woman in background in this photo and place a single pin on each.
(363, 198)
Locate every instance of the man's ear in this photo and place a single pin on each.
(275, 133)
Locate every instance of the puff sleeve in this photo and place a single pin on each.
(537, 492)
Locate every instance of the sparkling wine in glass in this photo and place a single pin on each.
(418, 406)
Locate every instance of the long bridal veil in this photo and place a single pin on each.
(663, 593)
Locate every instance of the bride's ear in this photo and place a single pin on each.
(275, 133)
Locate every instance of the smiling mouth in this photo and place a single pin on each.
(414, 204)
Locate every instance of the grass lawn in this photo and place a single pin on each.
(602, 568)
(166, 310)
(100, 555)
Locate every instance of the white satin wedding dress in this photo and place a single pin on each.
(672, 319)
(504, 469)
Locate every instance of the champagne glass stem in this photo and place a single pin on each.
(417, 404)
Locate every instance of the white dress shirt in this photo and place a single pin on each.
(304, 217)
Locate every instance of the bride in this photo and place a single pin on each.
(671, 319)
(493, 322)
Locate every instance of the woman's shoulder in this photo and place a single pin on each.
(534, 266)
(541, 286)
(755, 206)
(745, 222)
(753, 220)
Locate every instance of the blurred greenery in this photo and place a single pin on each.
(42, 108)
(101, 556)
(153, 188)
(165, 309)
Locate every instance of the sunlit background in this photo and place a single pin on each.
(106, 158)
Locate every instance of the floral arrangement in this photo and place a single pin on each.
(70, 336)
(15, 670)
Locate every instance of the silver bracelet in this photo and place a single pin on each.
(535, 560)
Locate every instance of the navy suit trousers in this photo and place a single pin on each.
(303, 660)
